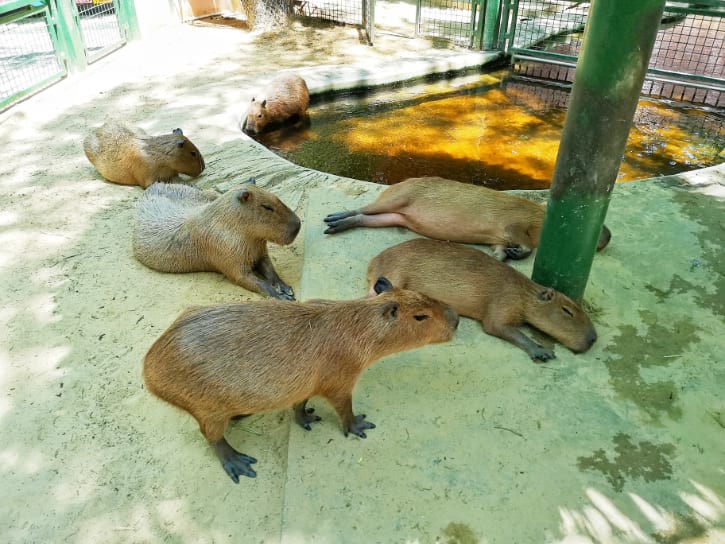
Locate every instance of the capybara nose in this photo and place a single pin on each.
(591, 338)
(452, 318)
(295, 229)
(203, 164)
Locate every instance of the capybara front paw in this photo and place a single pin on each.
(517, 252)
(238, 464)
(304, 418)
(358, 426)
(286, 291)
(540, 354)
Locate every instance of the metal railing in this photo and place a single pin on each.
(41, 41)
(687, 62)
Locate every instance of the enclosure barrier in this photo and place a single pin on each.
(687, 60)
(41, 41)
(352, 12)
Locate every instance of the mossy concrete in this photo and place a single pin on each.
(473, 435)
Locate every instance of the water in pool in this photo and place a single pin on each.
(485, 129)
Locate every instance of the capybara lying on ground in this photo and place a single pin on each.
(458, 212)
(219, 362)
(129, 156)
(182, 229)
(478, 286)
(286, 97)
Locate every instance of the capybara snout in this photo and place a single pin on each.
(561, 318)
(185, 156)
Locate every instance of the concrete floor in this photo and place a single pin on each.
(474, 443)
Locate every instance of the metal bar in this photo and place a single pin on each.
(618, 42)
(418, 9)
(64, 18)
(17, 97)
(22, 13)
(15, 5)
(126, 13)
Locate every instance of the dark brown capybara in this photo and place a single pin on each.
(183, 229)
(478, 286)
(129, 156)
(457, 212)
(286, 97)
(220, 362)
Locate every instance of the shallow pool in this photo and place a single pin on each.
(487, 129)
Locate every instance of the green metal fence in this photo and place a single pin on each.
(476, 24)
(352, 12)
(688, 61)
(41, 41)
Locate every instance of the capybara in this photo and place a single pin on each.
(221, 362)
(284, 98)
(476, 285)
(183, 229)
(457, 212)
(129, 156)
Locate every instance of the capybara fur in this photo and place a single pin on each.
(457, 212)
(220, 362)
(286, 97)
(129, 156)
(478, 286)
(183, 229)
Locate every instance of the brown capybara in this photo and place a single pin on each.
(180, 228)
(285, 97)
(221, 362)
(129, 156)
(476, 285)
(457, 212)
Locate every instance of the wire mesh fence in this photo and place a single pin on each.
(28, 60)
(687, 63)
(99, 27)
(452, 20)
(338, 11)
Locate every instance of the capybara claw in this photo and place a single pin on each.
(541, 354)
(331, 218)
(358, 426)
(517, 252)
(306, 418)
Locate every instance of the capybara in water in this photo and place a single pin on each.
(478, 286)
(220, 362)
(284, 98)
(129, 156)
(183, 229)
(453, 211)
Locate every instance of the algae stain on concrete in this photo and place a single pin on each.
(687, 528)
(658, 347)
(459, 533)
(644, 460)
(709, 213)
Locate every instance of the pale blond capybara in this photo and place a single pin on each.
(222, 362)
(285, 98)
(183, 229)
(129, 156)
(453, 211)
(478, 286)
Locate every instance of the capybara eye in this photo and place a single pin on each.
(268, 208)
(421, 317)
(259, 116)
(193, 153)
(567, 311)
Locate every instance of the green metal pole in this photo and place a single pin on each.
(127, 18)
(492, 23)
(65, 20)
(617, 45)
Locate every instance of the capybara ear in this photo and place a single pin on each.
(390, 311)
(251, 181)
(244, 196)
(178, 132)
(252, 99)
(546, 295)
(383, 284)
(264, 103)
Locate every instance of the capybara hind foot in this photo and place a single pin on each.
(284, 291)
(358, 426)
(342, 221)
(304, 416)
(235, 463)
